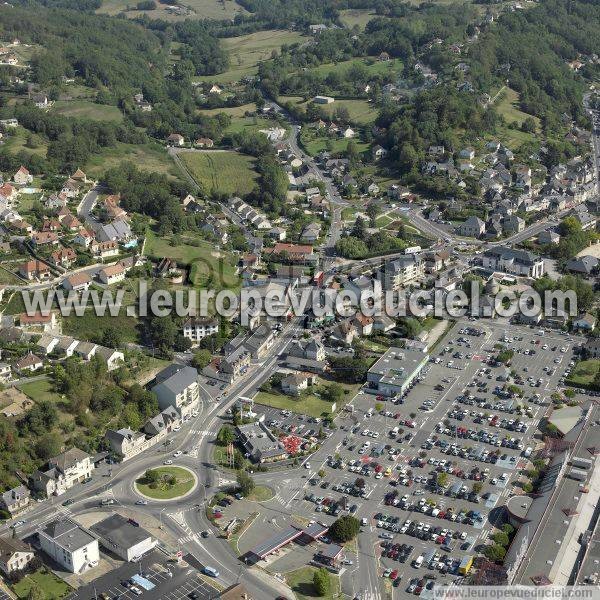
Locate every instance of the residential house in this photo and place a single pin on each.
(63, 472)
(585, 322)
(84, 238)
(344, 332)
(117, 231)
(86, 350)
(204, 143)
(278, 233)
(126, 443)
(111, 274)
(64, 257)
(45, 238)
(295, 383)
(548, 237)
(293, 253)
(14, 555)
(22, 176)
(177, 386)
(33, 269)
(513, 224)
(472, 227)
(311, 232)
(113, 358)
(77, 282)
(195, 328)
(104, 249)
(583, 265)
(74, 548)
(28, 364)
(66, 345)
(378, 152)
(163, 423)
(47, 343)
(16, 500)
(38, 319)
(175, 139)
(363, 324)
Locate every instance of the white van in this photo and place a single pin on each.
(418, 561)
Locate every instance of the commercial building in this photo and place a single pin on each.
(394, 372)
(123, 537)
(126, 443)
(177, 386)
(69, 545)
(195, 329)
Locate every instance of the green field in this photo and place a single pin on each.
(209, 266)
(202, 9)
(232, 111)
(50, 585)
(185, 482)
(361, 111)
(261, 493)
(149, 157)
(375, 67)
(15, 141)
(356, 16)
(89, 325)
(84, 109)
(507, 105)
(584, 372)
(301, 582)
(40, 391)
(314, 143)
(308, 403)
(246, 51)
(226, 172)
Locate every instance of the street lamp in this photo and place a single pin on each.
(160, 518)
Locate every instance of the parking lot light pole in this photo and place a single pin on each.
(160, 518)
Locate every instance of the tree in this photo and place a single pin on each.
(48, 445)
(508, 528)
(225, 436)
(321, 581)
(442, 479)
(201, 359)
(501, 538)
(152, 476)
(372, 212)
(245, 483)
(345, 529)
(494, 553)
(527, 487)
(477, 487)
(35, 592)
(321, 473)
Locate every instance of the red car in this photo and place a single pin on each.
(394, 574)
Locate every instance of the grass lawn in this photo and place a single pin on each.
(83, 109)
(383, 220)
(149, 157)
(583, 372)
(185, 482)
(250, 124)
(356, 16)
(15, 305)
(15, 141)
(89, 325)
(7, 277)
(261, 493)
(40, 390)
(507, 105)
(232, 111)
(246, 51)
(51, 586)
(209, 266)
(374, 67)
(202, 9)
(314, 143)
(301, 582)
(361, 111)
(227, 172)
(308, 404)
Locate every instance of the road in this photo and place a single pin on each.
(179, 518)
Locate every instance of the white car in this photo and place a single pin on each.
(178, 453)
(307, 465)
(168, 462)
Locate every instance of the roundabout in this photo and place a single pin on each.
(166, 483)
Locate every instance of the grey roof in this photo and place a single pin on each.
(117, 230)
(65, 342)
(67, 534)
(276, 541)
(15, 494)
(583, 264)
(69, 458)
(331, 551)
(519, 256)
(176, 378)
(117, 531)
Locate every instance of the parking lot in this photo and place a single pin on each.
(171, 581)
(424, 471)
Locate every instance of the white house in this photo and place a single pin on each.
(70, 545)
(14, 555)
(111, 274)
(195, 329)
(177, 386)
(63, 472)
